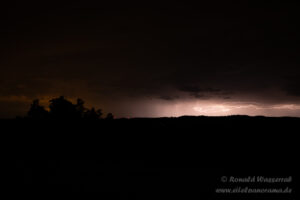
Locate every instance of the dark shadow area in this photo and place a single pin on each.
(159, 158)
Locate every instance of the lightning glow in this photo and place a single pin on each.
(215, 108)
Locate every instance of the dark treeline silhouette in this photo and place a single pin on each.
(143, 158)
(63, 109)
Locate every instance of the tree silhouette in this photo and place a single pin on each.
(109, 116)
(80, 109)
(36, 111)
(62, 109)
(93, 114)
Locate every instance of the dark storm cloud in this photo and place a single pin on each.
(199, 92)
(197, 89)
(226, 50)
(292, 86)
(293, 89)
(168, 97)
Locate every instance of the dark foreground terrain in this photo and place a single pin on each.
(166, 158)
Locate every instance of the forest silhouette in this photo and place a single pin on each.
(62, 109)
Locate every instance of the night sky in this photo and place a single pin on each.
(152, 60)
